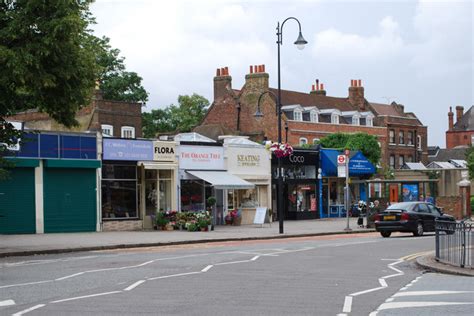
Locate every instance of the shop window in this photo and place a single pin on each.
(248, 198)
(297, 115)
(401, 138)
(128, 132)
(392, 161)
(314, 117)
(303, 141)
(119, 191)
(410, 138)
(334, 118)
(192, 195)
(230, 199)
(391, 136)
(107, 130)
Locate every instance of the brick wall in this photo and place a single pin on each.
(451, 205)
(128, 225)
(458, 138)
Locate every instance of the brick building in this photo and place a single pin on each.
(113, 118)
(460, 133)
(307, 117)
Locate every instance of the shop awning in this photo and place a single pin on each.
(157, 166)
(358, 163)
(222, 179)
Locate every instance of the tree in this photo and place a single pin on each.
(364, 142)
(115, 82)
(47, 61)
(181, 118)
(470, 165)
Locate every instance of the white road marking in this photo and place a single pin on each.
(207, 268)
(134, 285)
(347, 304)
(231, 262)
(23, 284)
(383, 283)
(7, 303)
(420, 293)
(29, 310)
(254, 258)
(36, 262)
(390, 299)
(69, 276)
(174, 275)
(85, 296)
(368, 291)
(394, 305)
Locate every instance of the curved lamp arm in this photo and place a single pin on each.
(300, 41)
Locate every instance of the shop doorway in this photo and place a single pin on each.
(393, 190)
(157, 191)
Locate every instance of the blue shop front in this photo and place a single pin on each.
(332, 193)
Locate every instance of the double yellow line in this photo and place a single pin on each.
(416, 255)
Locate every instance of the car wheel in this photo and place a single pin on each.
(385, 234)
(419, 230)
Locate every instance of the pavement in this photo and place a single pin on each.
(36, 244)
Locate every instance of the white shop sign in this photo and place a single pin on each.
(164, 151)
(201, 157)
(248, 161)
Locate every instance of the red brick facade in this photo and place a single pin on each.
(461, 132)
(91, 117)
(236, 110)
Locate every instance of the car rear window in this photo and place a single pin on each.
(401, 206)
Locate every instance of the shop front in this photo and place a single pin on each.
(204, 180)
(52, 184)
(251, 162)
(333, 186)
(300, 184)
(139, 178)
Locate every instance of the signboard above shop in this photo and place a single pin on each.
(127, 149)
(164, 151)
(201, 157)
(300, 157)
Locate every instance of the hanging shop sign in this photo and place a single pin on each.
(201, 157)
(164, 151)
(126, 149)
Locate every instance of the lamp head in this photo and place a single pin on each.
(300, 42)
(258, 114)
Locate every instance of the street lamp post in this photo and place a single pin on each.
(300, 43)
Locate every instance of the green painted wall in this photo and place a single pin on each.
(17, 202)
(69, 200)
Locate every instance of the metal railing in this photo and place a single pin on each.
(454, 243)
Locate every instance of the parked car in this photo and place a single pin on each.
(414, 217)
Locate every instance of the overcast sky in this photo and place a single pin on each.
(417, 53)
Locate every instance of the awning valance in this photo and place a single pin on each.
(222, 179)
(157, 166)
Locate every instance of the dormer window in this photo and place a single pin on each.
(314, 116)
(334, 118)
(297, 115)
(369, 121)
(355, 120)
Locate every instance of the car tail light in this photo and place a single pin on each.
(377, 217)
(405, 217)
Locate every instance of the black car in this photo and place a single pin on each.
(412, 217)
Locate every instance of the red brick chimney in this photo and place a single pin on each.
(450, 118)
(222, 83)
(257, 79)
(459, 112)
(356, 94)
(317, 89)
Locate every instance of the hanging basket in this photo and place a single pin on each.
(281, 150)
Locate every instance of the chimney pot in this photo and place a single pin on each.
(322, 86)
(226, 71)
(359, 84)
(263, 67)
(251, 69)
(255, 68)
(312, 88)
(218, 72)
(459, 112)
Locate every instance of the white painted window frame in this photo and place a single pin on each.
(125, 129)
(105, 127)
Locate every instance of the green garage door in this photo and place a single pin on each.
(17, 202)
(69, 199)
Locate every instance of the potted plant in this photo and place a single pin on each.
(161, 220)
(236, 217)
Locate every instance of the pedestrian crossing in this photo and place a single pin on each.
(431, 294)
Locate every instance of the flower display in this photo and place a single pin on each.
(281, 150)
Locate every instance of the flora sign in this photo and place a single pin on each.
(164, 151)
